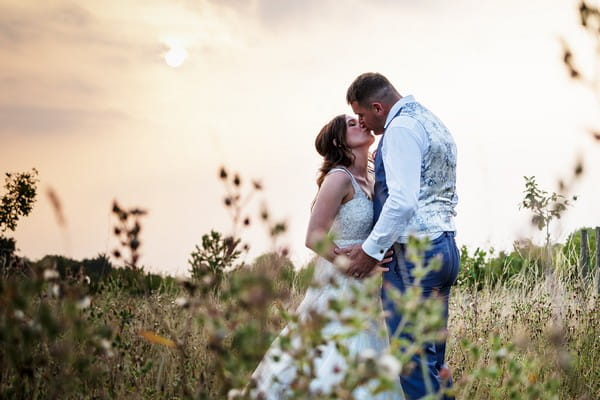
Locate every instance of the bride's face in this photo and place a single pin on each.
(356, 136)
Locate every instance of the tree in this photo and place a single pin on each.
(209, 262)
(545, 208)
(18, 201)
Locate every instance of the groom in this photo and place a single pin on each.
(415, 194)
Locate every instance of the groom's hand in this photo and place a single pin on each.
(361, 264)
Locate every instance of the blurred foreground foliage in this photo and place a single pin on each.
(89, 329)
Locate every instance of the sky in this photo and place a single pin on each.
(88, 98)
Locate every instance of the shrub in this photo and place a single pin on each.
(214, 258)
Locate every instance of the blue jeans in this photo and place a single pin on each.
(400, 277)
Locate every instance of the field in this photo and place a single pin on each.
(135, 335)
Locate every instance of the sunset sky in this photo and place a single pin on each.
(88, 98)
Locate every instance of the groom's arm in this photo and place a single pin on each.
(405, 142)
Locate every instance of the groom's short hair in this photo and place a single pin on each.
(370, 87)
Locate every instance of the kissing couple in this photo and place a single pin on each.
(412, 192)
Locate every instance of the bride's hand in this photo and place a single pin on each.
(380, 266)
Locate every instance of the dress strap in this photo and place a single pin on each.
(355, 185)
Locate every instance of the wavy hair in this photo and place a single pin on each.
(331, 144)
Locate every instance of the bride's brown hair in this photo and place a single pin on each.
(331, 144)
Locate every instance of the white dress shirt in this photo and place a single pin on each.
(404, 145)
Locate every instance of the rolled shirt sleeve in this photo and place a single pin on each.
(405, 143)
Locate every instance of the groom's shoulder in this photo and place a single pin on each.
(405, 121)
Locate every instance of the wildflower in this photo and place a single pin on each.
(107, 347)
(134, 243)
(50, 274)
(84, 303)
(33, 325)
(368, 354)
(55, 290)
(389, 366)
(532, 378)
(234, 394)
(342, 262)
(182, 302)
(264, 214)
(501, 354)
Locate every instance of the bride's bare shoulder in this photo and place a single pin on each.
(338, 183)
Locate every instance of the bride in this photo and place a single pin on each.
(342, 208)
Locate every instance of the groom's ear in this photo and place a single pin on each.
(377, 107)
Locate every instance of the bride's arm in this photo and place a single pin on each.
(334, 190)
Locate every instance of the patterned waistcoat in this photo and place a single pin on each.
(437, 196)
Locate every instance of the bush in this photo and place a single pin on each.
(522, 266)
(136, 282)
(214, 258)
(48, 348)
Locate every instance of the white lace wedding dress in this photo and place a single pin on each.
(277, 369)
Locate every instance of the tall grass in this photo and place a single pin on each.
(504, 339)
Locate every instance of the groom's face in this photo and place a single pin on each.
(369, 117)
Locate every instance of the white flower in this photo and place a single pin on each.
(107, 347)
(389, 366)
(342, 262)
(84, 303)
(182, 301)
(20, 315)
(50, 274)
(502, 353)
(55, 290)
(368, 354)
(234, 394)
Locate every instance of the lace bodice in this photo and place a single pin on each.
(354, 220)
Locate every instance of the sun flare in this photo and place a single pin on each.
(176, 56)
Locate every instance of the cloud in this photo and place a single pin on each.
(72, 15)
(13, 29)
(19, 26)
(30, 85)
(69, 26)
(278, 14)
(51, 120)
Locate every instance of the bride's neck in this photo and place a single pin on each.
(361, 162)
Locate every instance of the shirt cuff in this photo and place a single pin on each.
(373, 249)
